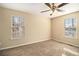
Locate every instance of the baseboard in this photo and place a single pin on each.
(23, 44)
(65, 43)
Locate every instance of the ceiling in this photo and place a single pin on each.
(36, 8)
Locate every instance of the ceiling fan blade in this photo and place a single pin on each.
(59, 10)
(47, 4)
(45, 11)
(62, 5)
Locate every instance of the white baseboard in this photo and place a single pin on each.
(23, 44)
(65, 42)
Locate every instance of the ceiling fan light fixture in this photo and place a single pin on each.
(51, 12)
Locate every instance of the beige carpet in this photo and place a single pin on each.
(45, 48)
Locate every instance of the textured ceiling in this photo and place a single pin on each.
(36, 8)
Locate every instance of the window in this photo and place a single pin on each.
(17, 27)
(70, 28)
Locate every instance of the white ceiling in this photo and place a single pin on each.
(36, 8)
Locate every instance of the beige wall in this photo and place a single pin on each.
(37, 28)
(58, 29)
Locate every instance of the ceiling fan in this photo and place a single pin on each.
(53, 7)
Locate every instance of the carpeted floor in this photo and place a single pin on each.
(45, 48)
